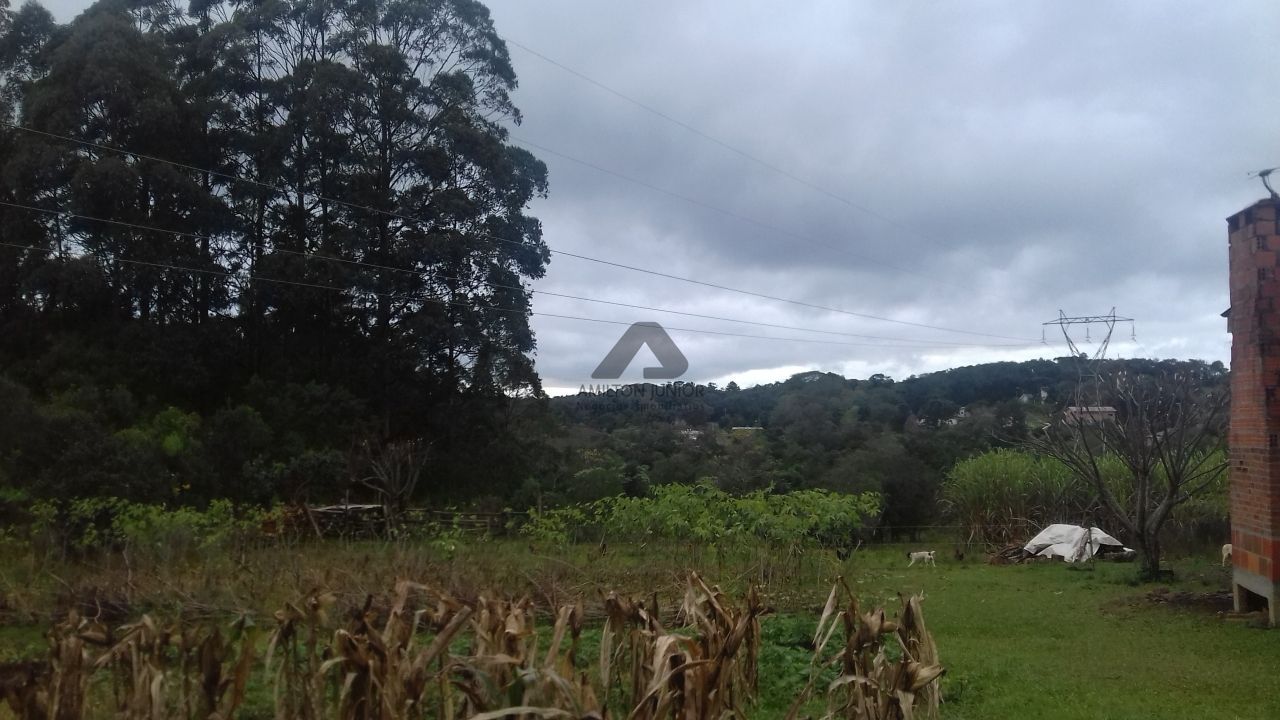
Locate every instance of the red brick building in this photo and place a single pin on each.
(1254, 323)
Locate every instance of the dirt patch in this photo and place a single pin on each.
(1217, 601)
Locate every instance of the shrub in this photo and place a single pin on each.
(152, 532)
(706, 515)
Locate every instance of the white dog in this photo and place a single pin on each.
(924, 556)
(1226, 553)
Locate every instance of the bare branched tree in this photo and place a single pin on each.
(394, 471)
(1165, 430)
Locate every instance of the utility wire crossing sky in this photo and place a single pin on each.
(823, 168)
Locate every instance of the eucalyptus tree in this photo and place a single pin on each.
(446, 195)
(341, 204)
(22, 35)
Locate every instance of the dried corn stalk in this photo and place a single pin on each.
(873, 681)
(70, 667)
(294, 657)
(425, 654)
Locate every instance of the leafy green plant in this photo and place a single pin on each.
(88, 525)
(705, 515)
(556, 527)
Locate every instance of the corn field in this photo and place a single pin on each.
(421, 653)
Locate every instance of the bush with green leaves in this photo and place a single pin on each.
(556, 526)
(703, 514)
(84, 526)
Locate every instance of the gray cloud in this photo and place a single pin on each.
(1028, 157)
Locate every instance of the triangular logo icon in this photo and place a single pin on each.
(673, 362)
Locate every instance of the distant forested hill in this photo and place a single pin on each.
(814, 430)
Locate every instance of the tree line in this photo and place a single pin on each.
(243, 241)
(255, 251)
(819, 431)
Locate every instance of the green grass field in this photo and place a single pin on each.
(1052, 641)
(1043, 640)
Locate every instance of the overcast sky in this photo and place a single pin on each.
(969, 165)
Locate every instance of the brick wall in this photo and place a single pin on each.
(1254, 323)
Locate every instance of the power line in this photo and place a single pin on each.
(528, 143)
(713, 139)
(925, 343)
(798, 303)
(609, 263)
(470, 305)
(727, 213)
(439, 276)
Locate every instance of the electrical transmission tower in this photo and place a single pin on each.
(1089, 365)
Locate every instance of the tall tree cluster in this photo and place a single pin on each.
(267, 207)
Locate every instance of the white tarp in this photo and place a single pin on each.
(1070, 542)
